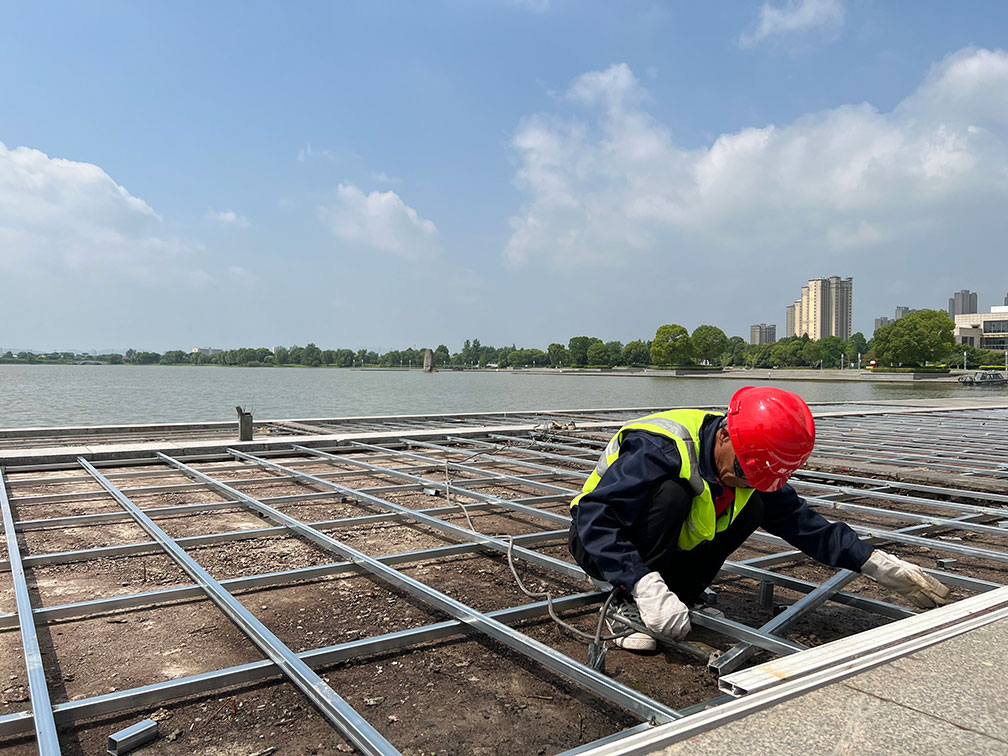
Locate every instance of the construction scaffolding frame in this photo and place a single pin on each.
(351, 496)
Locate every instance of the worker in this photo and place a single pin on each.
(675, 493)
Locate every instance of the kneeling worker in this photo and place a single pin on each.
(675, 493)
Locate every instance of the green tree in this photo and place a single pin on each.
(856, 344)
(735, 351)
(709, 343)
(441, 356)
(598, 355)
(922, 336)
(831, 347)
(577, 347)
(785, 353)
(637, 353)
(558, 355)
(174, 357)
(671, 346)
(615, 350)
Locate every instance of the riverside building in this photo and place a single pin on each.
(761, 333)
(825, 308)
(983, 330)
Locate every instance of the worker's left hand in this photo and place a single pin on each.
(906, 579)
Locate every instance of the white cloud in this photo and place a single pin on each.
(228, 218)
(380, 177)
(307, 153)
(66, 214)
(613, 187)
(381, 221)
(793, 17)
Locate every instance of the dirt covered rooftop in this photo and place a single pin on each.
(340, 585)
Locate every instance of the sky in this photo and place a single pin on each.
(395, 174)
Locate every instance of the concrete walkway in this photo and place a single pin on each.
(951, 698)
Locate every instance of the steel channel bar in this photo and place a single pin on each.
(963, 453)
(329, 703)
(873, 606)
(541, 560)
(931, 543)
(174, 487)
(904, 460)
(511, 460)
(185, 509)
(508, 504)
(740, 653)
(46, 737)
(930, 426)
(284, 577)
(531, 441)
(466, 468)
(801, 475)
(744, 632)
(159, 693)
(942, 523)
(955, 448)
(101, 552)
(581, 674)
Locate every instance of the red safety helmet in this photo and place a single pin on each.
(772, 433)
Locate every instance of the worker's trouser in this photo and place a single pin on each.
(655, 535)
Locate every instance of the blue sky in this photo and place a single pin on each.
(382, 175)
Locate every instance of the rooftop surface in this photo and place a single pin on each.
(340, 584)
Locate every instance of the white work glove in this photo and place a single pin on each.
(661, 610)
(906, 579)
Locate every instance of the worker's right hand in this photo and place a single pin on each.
(660, 608)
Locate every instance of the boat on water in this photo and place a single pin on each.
(983, 378)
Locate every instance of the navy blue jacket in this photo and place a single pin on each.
(645, 461)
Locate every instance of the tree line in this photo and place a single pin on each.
(921, 338)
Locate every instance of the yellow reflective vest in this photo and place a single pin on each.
(682, 427)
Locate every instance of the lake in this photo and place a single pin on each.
(47, 395)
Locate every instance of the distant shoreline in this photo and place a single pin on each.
(748, 374)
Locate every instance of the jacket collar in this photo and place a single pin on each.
(708, 431)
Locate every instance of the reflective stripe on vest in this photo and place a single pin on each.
(683, 428)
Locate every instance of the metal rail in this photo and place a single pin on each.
(329, 703)
(581, 674)
(45, 726)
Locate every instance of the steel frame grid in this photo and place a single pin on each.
(546, 472)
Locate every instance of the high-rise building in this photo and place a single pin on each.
(902, 312)
(1006, 300)
(762, 333)
(790, 315)
(963, 302)
(826, 308)
(882, 322)
(841, 298)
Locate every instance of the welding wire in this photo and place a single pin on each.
(45, 727)
(329, 703)
(595, 681)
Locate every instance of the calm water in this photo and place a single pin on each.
(42, 395)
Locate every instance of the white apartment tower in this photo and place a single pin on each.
(826, 308)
